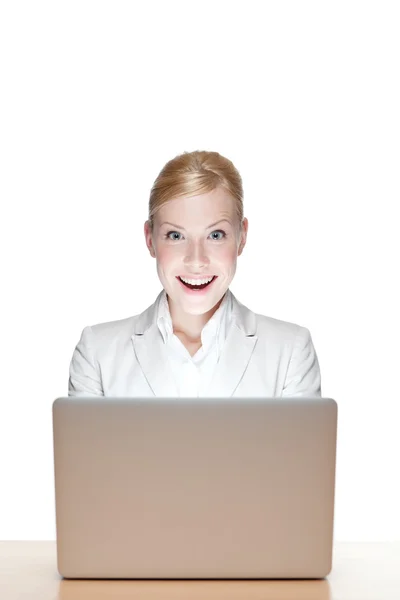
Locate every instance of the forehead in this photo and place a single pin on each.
(201, 209)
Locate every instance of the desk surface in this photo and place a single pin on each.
(361, 571)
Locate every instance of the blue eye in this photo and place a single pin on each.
(216, 231)
(169, 233)
(220, 231)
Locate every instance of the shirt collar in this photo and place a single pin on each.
(215, 330)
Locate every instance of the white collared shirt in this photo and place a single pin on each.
(193, 375)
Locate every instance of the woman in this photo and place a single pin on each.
(196, 339)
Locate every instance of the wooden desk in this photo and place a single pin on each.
(361, 571)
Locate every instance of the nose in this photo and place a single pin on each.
(196, 256)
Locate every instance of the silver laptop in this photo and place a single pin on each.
(194, 487)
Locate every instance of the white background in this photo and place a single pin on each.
(304, 98)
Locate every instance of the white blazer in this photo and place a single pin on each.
(261, 357)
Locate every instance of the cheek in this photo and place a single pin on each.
(166, 255)
(162, 251)
(226, 256)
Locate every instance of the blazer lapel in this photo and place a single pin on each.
(152, 356)
(232, 364)
(238, 347)
(151, 352)
(236, 352)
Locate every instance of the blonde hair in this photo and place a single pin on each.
(193, 173)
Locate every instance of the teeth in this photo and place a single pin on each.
(196, 281)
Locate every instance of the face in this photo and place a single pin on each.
(196, 237)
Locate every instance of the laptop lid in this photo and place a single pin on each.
(194, 487)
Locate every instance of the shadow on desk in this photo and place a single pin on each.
(258, 589)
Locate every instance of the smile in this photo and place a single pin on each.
(196, 286)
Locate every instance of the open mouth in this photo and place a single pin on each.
(197, 287)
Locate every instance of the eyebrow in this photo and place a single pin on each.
(180, 227)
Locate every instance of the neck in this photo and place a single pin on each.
(190, 326)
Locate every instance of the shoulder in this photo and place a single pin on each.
(276, 326)
(266, 327)
(126, 328)
(111, 331)
(279, 331)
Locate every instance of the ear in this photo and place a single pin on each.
(243, 236)
(149, 238)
